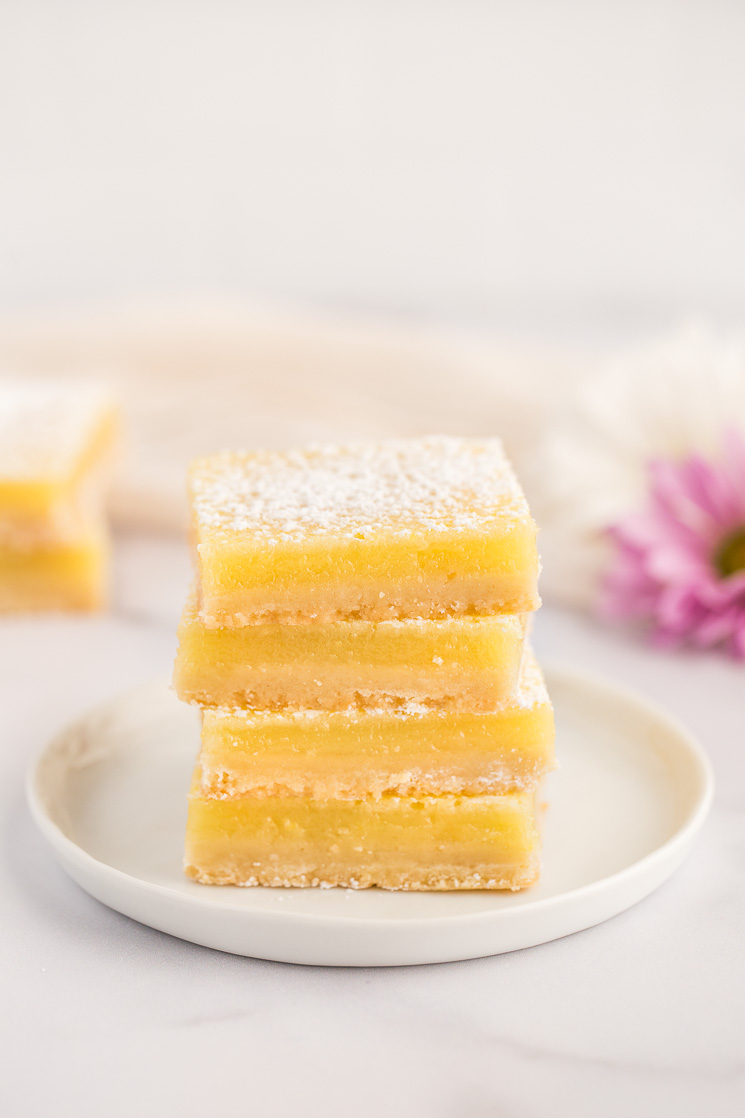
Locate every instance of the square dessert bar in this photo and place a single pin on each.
(54, 439)
(427, 527)
(398, 842)
(350, 754)
(462, 663)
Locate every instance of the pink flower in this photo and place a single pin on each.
(680, 564)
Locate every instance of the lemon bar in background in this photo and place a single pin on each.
(398, 842)
(56, 446)
(464, 663)
(353, 753)
(429, 527)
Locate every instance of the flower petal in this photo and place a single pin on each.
(677, 609)
(737, 646)
(665, 554)
(714, 628)
(675, 564)
(719, 593)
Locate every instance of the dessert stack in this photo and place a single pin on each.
(56, 444)
(371, 711)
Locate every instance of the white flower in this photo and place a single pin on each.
(668, 400)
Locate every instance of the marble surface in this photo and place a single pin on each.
(101, 1016)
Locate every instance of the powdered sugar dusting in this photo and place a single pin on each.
(45, 427)
(399, 487)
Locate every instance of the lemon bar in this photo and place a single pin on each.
(423, 528)
(65, 574)
(54, 441)
(465, 663)
(417, 749)
(427, 842)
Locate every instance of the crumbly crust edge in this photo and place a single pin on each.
(441, 878)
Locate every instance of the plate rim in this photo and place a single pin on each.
(68, 850)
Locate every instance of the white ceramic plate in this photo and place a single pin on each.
(109, 794)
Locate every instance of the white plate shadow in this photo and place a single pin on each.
(109, 795)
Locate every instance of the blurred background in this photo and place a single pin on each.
(274, 223)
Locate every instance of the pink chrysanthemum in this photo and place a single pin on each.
(680, 564)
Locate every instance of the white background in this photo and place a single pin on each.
(551, 164)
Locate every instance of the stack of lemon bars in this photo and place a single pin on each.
(57, 443)
(371, 712)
